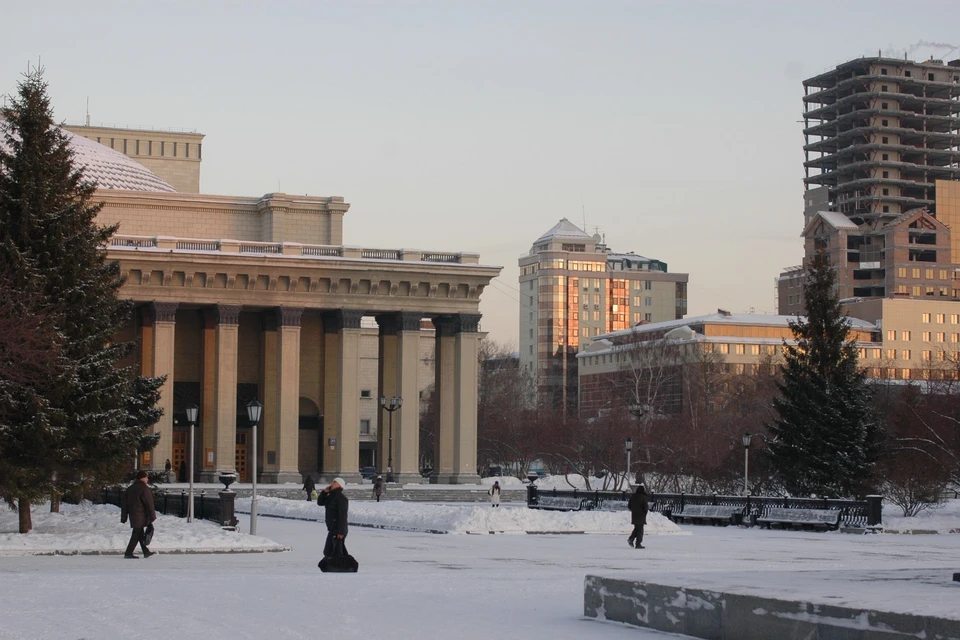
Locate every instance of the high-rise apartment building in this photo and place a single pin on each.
(572, 287)
(882, 161)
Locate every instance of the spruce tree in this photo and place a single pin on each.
(825, 432)
(51, 244)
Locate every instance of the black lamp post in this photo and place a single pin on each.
(628, 446)
(254, 409)
(746, 460)
(192, 419)
(395, 403)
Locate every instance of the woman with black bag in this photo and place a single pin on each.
(335, 556)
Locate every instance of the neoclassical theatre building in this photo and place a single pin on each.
(243, 298)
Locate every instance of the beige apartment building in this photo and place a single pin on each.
(919, 340)
(574, 288)
(739, 342)
(897, 339)
(243, 298)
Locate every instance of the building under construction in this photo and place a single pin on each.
(882, 149)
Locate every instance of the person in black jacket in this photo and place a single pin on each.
(336, 504)
(309, 485)
(138, 506)
(639, 505)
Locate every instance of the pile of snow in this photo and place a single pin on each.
(96, 528)
(943, 519)
(508, 482)
(577, 481)
(439, 518)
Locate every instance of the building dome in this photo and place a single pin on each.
(111, 169)
(564, 230)
(108, 168)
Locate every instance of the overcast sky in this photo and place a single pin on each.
(475, 126)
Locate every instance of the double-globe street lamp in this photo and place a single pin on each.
(394, 403)
(192, 419)
(254, 409)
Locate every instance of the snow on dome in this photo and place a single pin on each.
(110, 169)
(564, 230)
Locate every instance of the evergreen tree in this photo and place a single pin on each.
(825, 433)
(50, 243)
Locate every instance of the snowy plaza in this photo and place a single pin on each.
(420, 585)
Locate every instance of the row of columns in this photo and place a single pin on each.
(456, 351)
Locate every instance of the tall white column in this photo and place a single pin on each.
(399, 376)
(284, 440)
(225, 390)
(164, 329)
(341, 395)
(457, 367)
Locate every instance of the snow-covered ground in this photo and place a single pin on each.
(942, 519)
(96, 529)
(436, 518)
(427, 587)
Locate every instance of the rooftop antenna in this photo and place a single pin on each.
(88, 112)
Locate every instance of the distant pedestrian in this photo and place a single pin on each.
(138, 506)
(639, 505)
(309, 486)
(495, 494)
(183, 471)
(336, 505)
(167, 468)
(377, 487)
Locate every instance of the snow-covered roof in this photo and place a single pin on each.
(564, 230)
(837, 220)
(834, 218)
(750, 319)
(628, 256)
(111, 169)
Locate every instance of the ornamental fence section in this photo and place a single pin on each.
(217, 508)
(853, 513)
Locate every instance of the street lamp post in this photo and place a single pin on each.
(192, 419)
(254, 409)
(628, 445)
(395, 403)
(746, 460)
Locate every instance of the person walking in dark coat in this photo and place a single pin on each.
(377, 487)
(182, 473)
(336, 505)
(138, 507)
(309, 485)
(639, 505)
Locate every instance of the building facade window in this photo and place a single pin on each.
(365, 427)
(925, 318)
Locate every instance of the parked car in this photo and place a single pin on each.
(368, 473)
